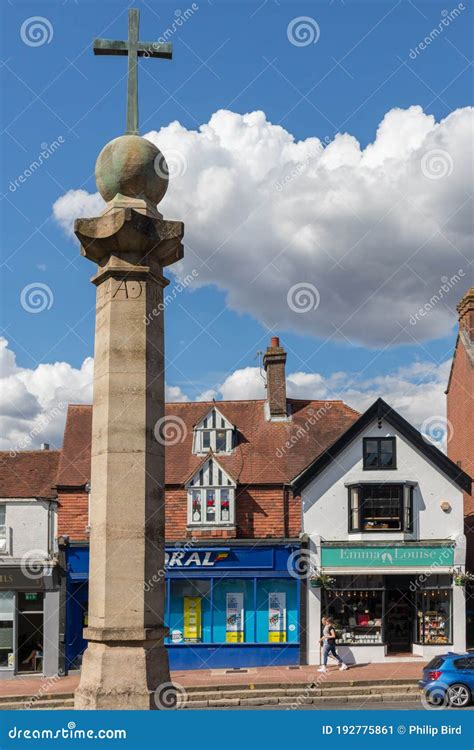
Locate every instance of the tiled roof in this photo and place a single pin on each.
(28, 473)
(266, 452)
(75, 463)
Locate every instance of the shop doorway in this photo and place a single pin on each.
(77, 619)
(30, 632)
(399, 615)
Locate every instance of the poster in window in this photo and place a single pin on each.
(234, 623)
(192, 618)
(225, 505)
(210, 505)
(277, 617)
(196, 505)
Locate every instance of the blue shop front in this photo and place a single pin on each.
(233, 606)
(226, 606)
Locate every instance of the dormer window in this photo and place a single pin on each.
(211, 496)
(213, 433)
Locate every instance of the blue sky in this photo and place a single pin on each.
(228, 55)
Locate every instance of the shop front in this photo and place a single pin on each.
(394, 601)
(232, 606)
(76, 581)
(29, 621)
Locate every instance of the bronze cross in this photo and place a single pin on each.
(133, 48)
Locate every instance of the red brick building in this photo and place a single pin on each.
(460, 409)
(460, 412)
(259, 445)
(232, 522)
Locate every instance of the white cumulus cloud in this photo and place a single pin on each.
(33, 401)
(415, 391)
(174, 393)
(377, 230)
(73, 204)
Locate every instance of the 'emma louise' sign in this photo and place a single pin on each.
(386, 557)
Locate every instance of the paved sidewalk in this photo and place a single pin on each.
(284, 675)
(361, 674)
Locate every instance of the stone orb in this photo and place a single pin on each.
(132, 166)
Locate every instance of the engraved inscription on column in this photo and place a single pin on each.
(127, 289)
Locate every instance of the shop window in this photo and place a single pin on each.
(7, 609)
(215, 433)
(233, 617)
(30, 631)
(189, 611)
(434, 616)
(232, 611)
(357, 614)
(381, 507)
(379, 453)
(277, 619)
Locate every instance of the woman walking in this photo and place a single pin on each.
(329, 645)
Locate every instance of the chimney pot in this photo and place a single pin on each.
(274, 362)
(45, 446)
(466, 314)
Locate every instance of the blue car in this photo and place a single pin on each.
(449, 680)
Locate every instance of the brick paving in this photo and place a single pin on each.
(362, 674)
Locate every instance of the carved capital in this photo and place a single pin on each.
(131, 236)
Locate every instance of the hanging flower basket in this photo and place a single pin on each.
(321, 580)
(462, 579)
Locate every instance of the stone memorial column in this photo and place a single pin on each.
(126, 660)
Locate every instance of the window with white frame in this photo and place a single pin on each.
(214, 432)
(211, 496)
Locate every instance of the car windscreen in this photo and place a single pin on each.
(435, 663)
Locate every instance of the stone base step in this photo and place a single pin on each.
(241, 698)
(302, 690)
(317, 677)
(28, 704)
(302, 700)
(34, 698)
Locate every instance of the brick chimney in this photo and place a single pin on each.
(466, 314)
(274, 361)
